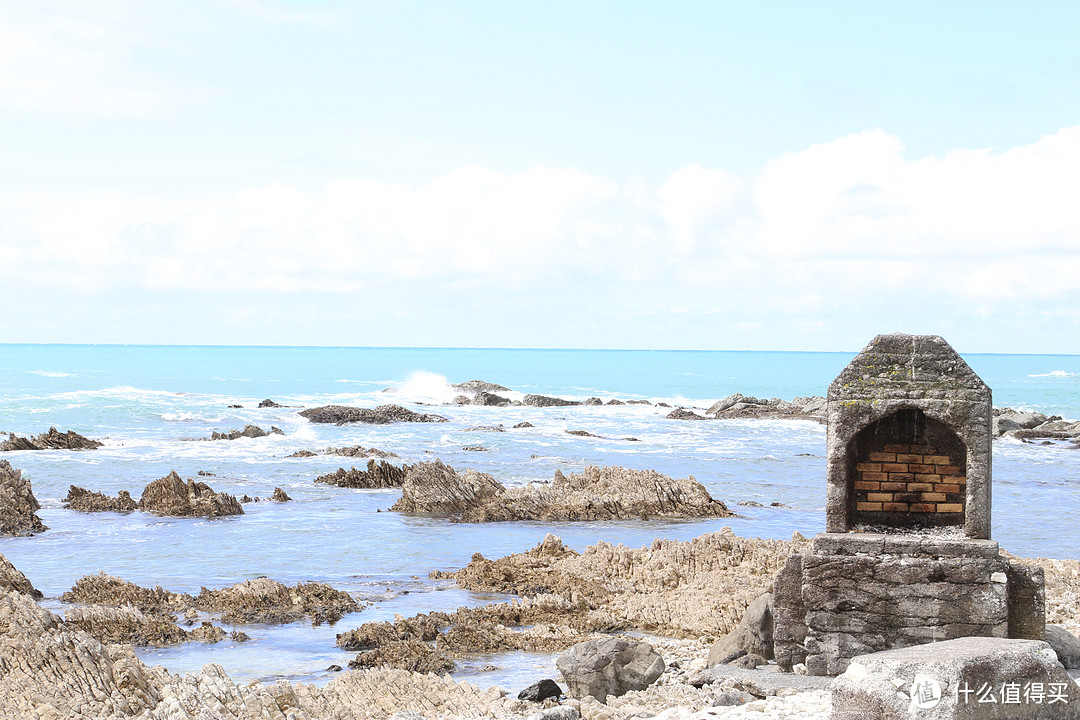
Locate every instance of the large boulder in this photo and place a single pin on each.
(84, 500)
(436, 488)
(600, 668)
(486, 398)
(377, 475)
(752, 636)
(1001, 425)
(51, 440)
(971, 677)
(382, 415)
(1065, 644)
(171, 496)
(18, 506)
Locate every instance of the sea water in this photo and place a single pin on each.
(151, 405)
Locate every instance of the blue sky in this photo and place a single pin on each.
(602, 174)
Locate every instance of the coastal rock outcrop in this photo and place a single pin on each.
(268, 403)
(126, 624)
(171, 496)
(377, 475)
(280, 496)
(249, 431)
(51, 440)
(599, 668)
(486, 398)
(683, 414)
(594, 494)
(547, 401)
(436, 488)
(11, 580)
(18, 506)
(479, 386)
(102, 589)
(739, 406)
(84, 500)
(381, 415)
(263, 600)
(360, 451)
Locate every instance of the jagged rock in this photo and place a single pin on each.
(280, 495)
(752, 636)
(613, 401)
(732, 400)
(546, 401)
(126, 624)
(51, 440)
(561, 712)
(432, 487)
(240, 636)
(593, 402)
(638, 402)
(541, 691)
(247, 498)
(461, 400)
(486, 398)
(381, 475)
(581, 433)
(102, 589)
(411, 655)
(268, 403)
(1065, 644)
(249, 431)
(302, 454)
(11, 580)
(381, 415)
(599, 668)
(683, 414)
(171, 496)
(598, 494)
(479, 386)
(86, 501)
(1002, 425)
(206, 473)
(263, 600)
(523, 424)
(18, 506)
(360, 451)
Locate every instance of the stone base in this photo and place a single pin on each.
(854, 594)
(969, 678)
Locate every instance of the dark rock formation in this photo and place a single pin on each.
(102, 589)
(18, 506)
(381, 415)
(486, 398)
(523, 424)
(360, 451)
(432, 487)
(249, 431)
(11, 580)
(262, 600)
(268, 403)
(280, 495)
(546, 401)
(126, 624)
(381, 475)
(683, 414)
(593, 402)
(600, 668)
(88, 501)
(582, 433)
(302, 454)
(541, 691)
(51, 440)
(171, 496)
(479, 386)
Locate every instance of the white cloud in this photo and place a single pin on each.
(822, 243)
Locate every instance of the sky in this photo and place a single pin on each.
(680, 175)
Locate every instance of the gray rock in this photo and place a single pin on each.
(377, 475)
(436, 488)
(593, 401)
(1029, 420)
(732, 697)
(51, 440)
(171, 496)
(546, 401)
(609, 667)
(18, 506)
(564, 712)
(749, 661)
(736, 399)
(486, 398)
(753, 634)
(943, 680)
(382, 415)
(1065, 644)
(1002, 425)
(683, 414)
(479, 386)
(523, 424)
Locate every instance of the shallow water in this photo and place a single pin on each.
(149, 403)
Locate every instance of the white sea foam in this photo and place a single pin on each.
(424, 386)
(1055, 373)
(50, 373)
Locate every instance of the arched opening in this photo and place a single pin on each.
(907, 470)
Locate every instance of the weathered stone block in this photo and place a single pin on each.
(1027, 601)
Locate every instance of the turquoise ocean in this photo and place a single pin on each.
(150, 404)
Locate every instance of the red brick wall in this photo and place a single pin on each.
(901, 478)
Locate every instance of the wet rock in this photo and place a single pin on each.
(334, 668)
(593, 402)
(581, 433)
(479, 386)
(613, 401)
(683, 414)
(753, 635)
(302, 454)
(485, 428)
(360, 451)
(240, 636)
(126, 624)
(247, 498)
(599, 668)
(84, 500)
(268, 403)
(206, 473)
(18, 506)
(546, 401)
(486, 398)
(436, 488)
(262, 600)
(460, 400)
(524, 424)
(638, 402)
(382, 415)
(475, 448)
(749, 503)
(377, 475)
(11, 580)
(541, 691)
(598, 494)
(173, 497)
(102, 589)
(249, 431)
(280, 495)
(207, 633)
(51, 440)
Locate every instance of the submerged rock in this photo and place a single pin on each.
(171, 496)
(381, 415)
(546, 401)
(381, 475)
(249, 431)
(436, 488)
(51, 440)
(18, 506)
(280, 495)
(683, 414)
(84, 500)
(360, 451)
(268, 403)
(302, 454)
